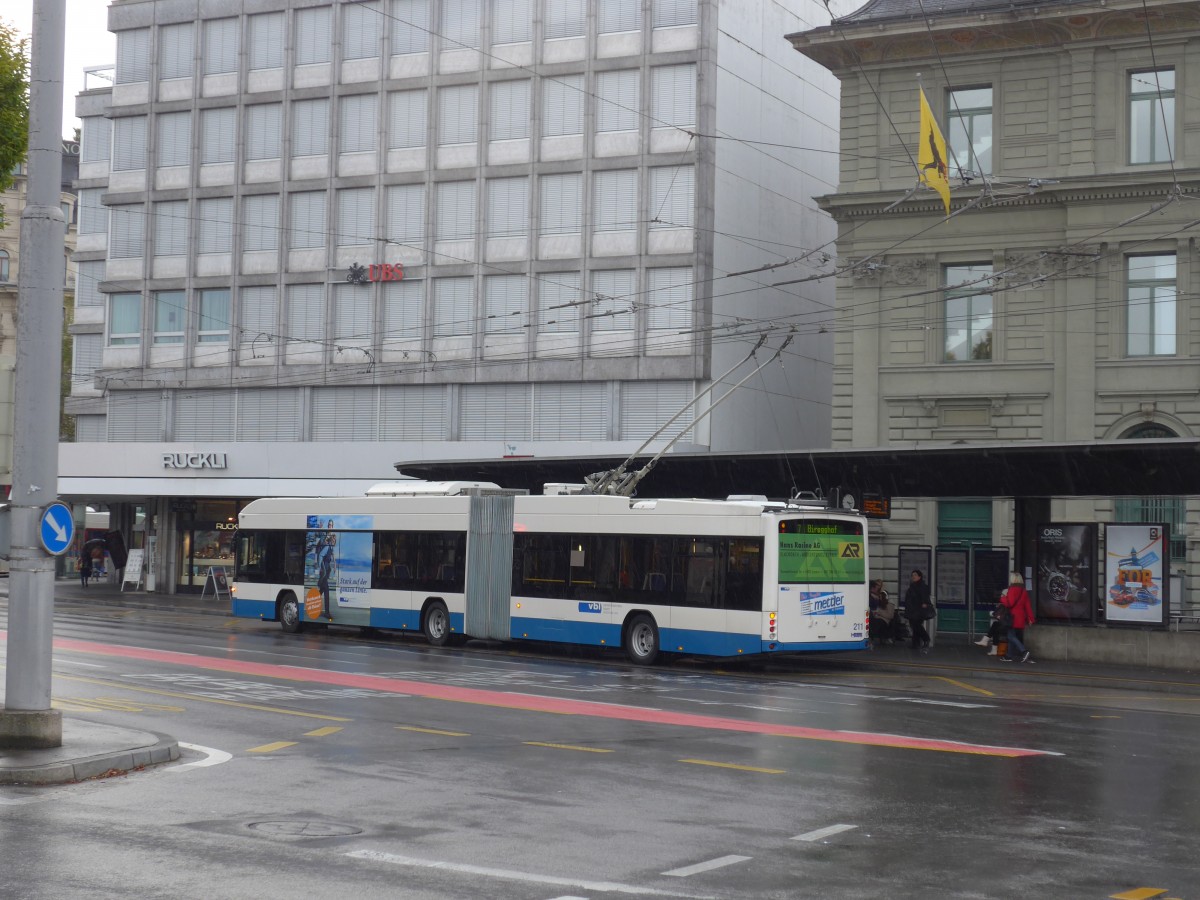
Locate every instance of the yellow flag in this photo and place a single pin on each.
(931, 154)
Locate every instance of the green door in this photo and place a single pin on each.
(963, 523)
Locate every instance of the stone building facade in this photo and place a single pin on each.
(1057, 301)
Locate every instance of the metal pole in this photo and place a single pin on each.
(27, 719)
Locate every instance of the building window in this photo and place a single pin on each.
(403, 311)
(562, 105)
(357, 128)
(213, 319)
(614, 201)
(171, 228)
(559, 298)
(129, 144)
(461, 24)
(305, 316)
(169, 310)
(619, 15)
(127, 229)
(176, 53)
(407, 125)
(4, 266)
(356, 217)
(968, 312)
(260, 222)
(672, 197)
(505, 298)
(307, 220)
(215, 226)
(406, 214)
(174, 139)
(266, 40)
(507, 207)
(1151, 116)
(561, 204)
(970, 120)
(310, 128)
(259, 314)
(410, 27)
(673, 96)
(133, 56)
(220, 46)
(1150, 303)
(670, 13)
(669, 299)
(565, 18)
(512, 21)
(124, 320)
(618, 100)
(218, 139)
(353, 313)
(612, 300)
(458, 118)
(509, 117)
(452, 300)
(95, 140)
(264, 131)
(455, 211)
(361, 27)
(313, 35)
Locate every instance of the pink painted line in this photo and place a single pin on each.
(536, 703)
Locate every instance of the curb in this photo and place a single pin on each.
(125, 760)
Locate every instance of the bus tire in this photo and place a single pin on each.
(435, 624)
(289, 613)
(641, 640)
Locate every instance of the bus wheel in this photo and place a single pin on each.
(289, 614)
(436, 624)
(641, 640)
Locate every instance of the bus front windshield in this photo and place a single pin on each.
(822, 551)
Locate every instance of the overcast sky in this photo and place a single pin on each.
(88, 44)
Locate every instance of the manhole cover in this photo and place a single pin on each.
(303, 828)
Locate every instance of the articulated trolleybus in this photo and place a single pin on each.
(466, 560)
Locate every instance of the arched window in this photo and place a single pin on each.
(3, 266)
(1171, 510)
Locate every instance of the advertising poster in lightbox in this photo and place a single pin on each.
(1136, 565)
(1065, 585)
(337, 563)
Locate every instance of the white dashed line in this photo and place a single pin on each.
(823, 833)
(718, 863)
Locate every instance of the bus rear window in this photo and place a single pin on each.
(824, 551)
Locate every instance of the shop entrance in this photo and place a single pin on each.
(204, 538)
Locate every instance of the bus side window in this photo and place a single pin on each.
(743, 574)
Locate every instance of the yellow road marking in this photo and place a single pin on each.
(721, 765)
(965, 686)
(322, 732)
(199, 699)
(433, 731)
(271, 748)
(1139, 894)
(567, 747)
(94, 704)
(1104, 717)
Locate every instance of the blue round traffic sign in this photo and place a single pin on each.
(58, 528)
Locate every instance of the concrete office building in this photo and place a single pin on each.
(1057, 303)
(320, 238)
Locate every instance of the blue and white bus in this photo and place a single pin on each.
(700, 577)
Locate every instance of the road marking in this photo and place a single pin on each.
(567, 747)
(508, 874)
(718, 863)
(212, 757)
(79, 662)
(965, 686)
(559, 706)
(1139, 894)
(433, 731)
(271, 748)
(723, 765)
(323, 732)
(823, 833)
(201, 699)
(1104, 717)
(109, 704)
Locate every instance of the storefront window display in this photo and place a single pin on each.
(205, 539)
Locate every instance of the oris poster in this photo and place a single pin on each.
(1065, 584)
(1136, 566)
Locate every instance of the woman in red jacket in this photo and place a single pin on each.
(1016, 599)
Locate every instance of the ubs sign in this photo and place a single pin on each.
(193, 460)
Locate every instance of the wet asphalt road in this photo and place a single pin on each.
(341, 766)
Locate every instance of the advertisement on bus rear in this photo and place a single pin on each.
(821, 552)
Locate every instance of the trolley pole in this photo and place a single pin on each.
(27, 721)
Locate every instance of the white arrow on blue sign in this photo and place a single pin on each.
(58, 528)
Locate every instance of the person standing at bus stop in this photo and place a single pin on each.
(917, 609)
(85, 567)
